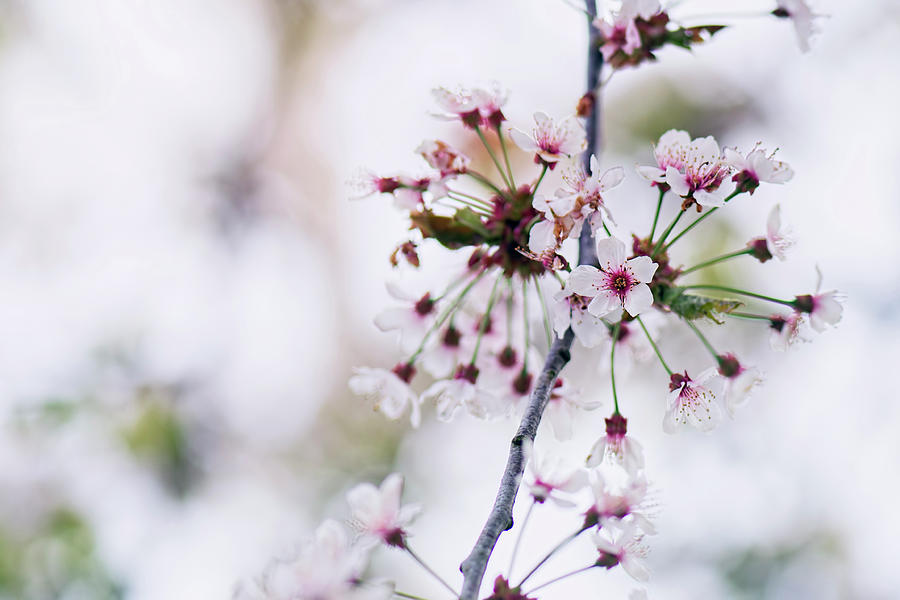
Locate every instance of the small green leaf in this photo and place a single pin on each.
(692, 307)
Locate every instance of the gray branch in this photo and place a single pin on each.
(501, 516)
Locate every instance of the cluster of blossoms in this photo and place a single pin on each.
(478, 335)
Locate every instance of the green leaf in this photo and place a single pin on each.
(692, 306)
(467, 217)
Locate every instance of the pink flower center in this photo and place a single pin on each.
(619, 281)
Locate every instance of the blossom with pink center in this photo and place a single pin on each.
(824, 308)
(490, 100)
(617, 284)
(551, 141)
(756, 168)
(411, 321)
(443, 157)
(617, 446)
(740, 381)
(389, 391)
(619, 32)
(463, 391)
(548, 475)
(327, 567)
(628, 502)
(691, 403)
(377, 512)
(785, 331)
(621, 544)
(571, 311)
(562, 407)
(691, 168)
(473, 107)
(406, 191)
(803, 18)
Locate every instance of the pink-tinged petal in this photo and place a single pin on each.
(549, 156)
(595, 165)
(541, 204)
(394, 318)
(610, 253)
(391, 490)
(560, 314)
(642, 267)
(407, 199)
(541, 237)
(773, 223)
(604, 303)
(399, 293)
(523, 140)
(611, 178)
(635, 568)
(598, 451)
(639, 299)
(560, 416)
(710, 199)
(562, 205)
(584, 280)
(670, 424)
(588, 329)
(734, 159)
(604, 545)
(632, 37)
(651, 173)
(704, 150)
(677, 182)
(542, 119)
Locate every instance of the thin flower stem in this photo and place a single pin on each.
(612, 364)
(705, 215)
(539, 179)
(718, 259)
(486, 318)
(547, 327)
(666, 233)
(606, 229)
(560, 578)
(471, 197)
(493, 156)
(703, 339)
(512, 560)
(553, 551)
(662, 193)
(484, 181)
(722, 288)
(655, 348)
(444, 315)
(525, 323)
(409, 596)
(743, 315)
(476, 208)
(431, 571)
(509, 172)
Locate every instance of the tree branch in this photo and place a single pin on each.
(500, 518)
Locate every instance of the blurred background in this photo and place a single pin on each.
(185, 289)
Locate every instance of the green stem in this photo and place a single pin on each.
(476, 208)
(722, 288)
(493, 156)
(472, 198)
(655, 348)
(431, 571)
(743, 315)
(703, 339)
(485, 181)
(444, 315)
(409, 596)
(718, 259)
(539, 179)
(606, 229)
(547, 327)
(512, 181)
(666, 233)
(555, 549)
(560, 578)
(656, 216)
(612, 364)
(486, 318)
(700, 219)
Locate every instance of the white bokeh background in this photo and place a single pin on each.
(174, 217)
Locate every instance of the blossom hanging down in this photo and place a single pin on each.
(377, 512)
(621, 448)
(619, 33)
(551, 141)
(388, 391)
(621, 544)
(824, 308)
(756, 168)
(548, 475)
(691, 403)
(474, 107)
(803, 18)
(693, 169)
(617, 284)
(740, 381)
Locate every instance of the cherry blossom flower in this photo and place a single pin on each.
(462, 391)
(628, 503)
(389, 391)
(623, 449)
(778, 238)
(473, 107)
(618, 284)
(824, 308)
(740, 381)
(411, 321)
(327, 567)
(439, 359)
(804, 19)
(572, 311)
(377, 511)
(619, 32)
(620, 544)
(693, 169)
(551, 141)
(756, 167)
(691, 403)
(406, 191)
(785, 331)
(490, 100)
(562, 407)
(547, 475)
(443, 157)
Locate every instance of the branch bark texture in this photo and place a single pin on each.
(501, 516)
